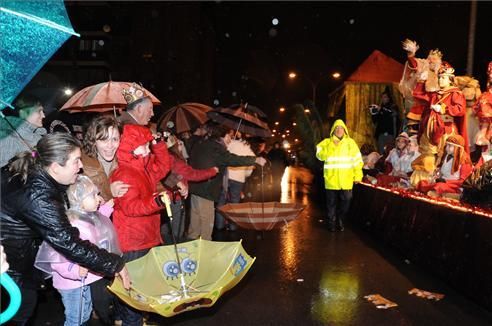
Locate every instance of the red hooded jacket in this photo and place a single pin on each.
(136, 215)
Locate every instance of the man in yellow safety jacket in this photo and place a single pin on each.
(342, 167)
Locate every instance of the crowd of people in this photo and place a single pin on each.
(58, 192)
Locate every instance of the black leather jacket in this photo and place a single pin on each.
(35, 211)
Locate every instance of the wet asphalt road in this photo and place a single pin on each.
(305, 275)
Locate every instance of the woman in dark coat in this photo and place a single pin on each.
(32, 209)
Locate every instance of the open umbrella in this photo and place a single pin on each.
(101, 98)
(31, 32)
(185, 117)
(240, 118)
(210, 268)
(261, 216)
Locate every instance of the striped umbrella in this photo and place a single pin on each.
(261, 216)
(185, 117)
(242, 118)
(101, 98)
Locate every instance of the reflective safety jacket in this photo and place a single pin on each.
(343, 161)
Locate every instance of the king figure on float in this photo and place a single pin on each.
(444, 115)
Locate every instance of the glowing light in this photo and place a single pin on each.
(273, 135)
(282, 109)
(294, 124)
(276, 123)
(283, 136)
(292, 75)
(287, 131)
(336, 75)
(307, 110)
(296, 140)
(68, 91)
(274, 21)
(274, 130)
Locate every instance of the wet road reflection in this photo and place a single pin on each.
(336, 301)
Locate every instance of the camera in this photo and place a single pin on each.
(374, 109)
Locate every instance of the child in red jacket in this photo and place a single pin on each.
(136, 215)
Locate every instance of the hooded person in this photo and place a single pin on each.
(342, 167)
(136, 215)
(452, 171)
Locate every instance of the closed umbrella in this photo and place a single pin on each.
(102, 97)
(185, 117)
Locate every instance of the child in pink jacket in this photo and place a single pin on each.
(70, 279)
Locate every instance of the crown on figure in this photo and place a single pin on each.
(436, 52)
(446, 69)
(134, 93)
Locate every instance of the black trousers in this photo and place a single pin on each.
(102, 300)
(338, 203)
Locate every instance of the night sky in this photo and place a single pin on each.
(231, 51)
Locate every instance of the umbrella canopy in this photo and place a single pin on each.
(31, 32)
(261, 216)
(240, 118)
(101, 98)
(210, 268)
(186, 116)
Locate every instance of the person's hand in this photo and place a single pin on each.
(119, 188)
(4, 266)
(436, 107)
(83, 271)
(125, 278)
(260, 161)
(110, 203)
(410, 46)
(183, 189)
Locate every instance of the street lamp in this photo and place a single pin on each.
(68, 91)
(314, 85)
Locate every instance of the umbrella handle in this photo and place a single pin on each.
(15, 297)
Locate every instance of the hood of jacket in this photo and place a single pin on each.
(132, 137)
(340, 123)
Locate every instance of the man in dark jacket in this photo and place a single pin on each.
(209, 152)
